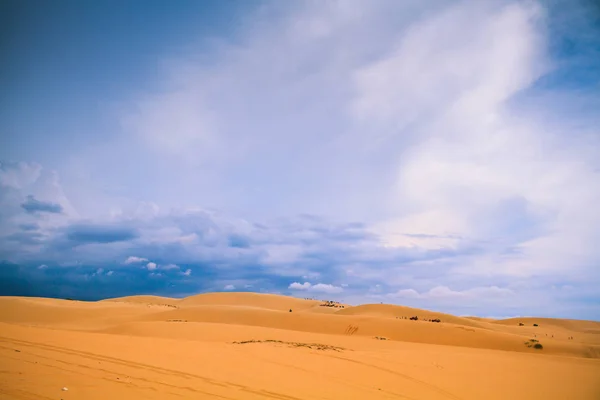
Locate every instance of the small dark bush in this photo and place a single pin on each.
(521, 324)
(290, 310)
(534, 343)
(535, 324)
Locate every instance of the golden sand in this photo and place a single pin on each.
(250, 346)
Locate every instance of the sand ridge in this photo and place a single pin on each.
(249, 345)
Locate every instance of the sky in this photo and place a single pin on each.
(435, 154)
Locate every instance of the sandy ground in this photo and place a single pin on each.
(250, 346)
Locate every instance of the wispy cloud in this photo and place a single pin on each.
(443, 292)
(431, 153)
(135, 260)
(317, 288)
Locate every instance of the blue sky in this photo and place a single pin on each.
(436, 154)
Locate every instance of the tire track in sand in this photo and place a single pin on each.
(137, 365)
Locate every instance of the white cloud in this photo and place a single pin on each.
(135, 260)
(19, 183)
(151, 266)
(192, 129)
(449, 133)
(317, 288)
(445, 293)
(282, 254)
(169, 267)
(146, 210)
(109, 273)
(479, 168)
(19, 175)
(300, 286)
(229, 287)
(312, 275)
(406, 293)
(187, 272)
(482, 55)
(42, 266)
(326, 288)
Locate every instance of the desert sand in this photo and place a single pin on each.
(250, 346)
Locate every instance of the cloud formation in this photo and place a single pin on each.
(135, 260)
(32, 206)
(99, 233)
(443, 292)
(317, 288)
(431, 153)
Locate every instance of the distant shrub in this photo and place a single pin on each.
(535, 324)
(290, 310)
(534, 343)
(521, 324)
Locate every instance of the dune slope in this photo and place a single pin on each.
(250, 346)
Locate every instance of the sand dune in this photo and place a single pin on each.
(570, 324)
(155, 300)
(481, 319)
(250, 346)
(264, 301)
(392, 311)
